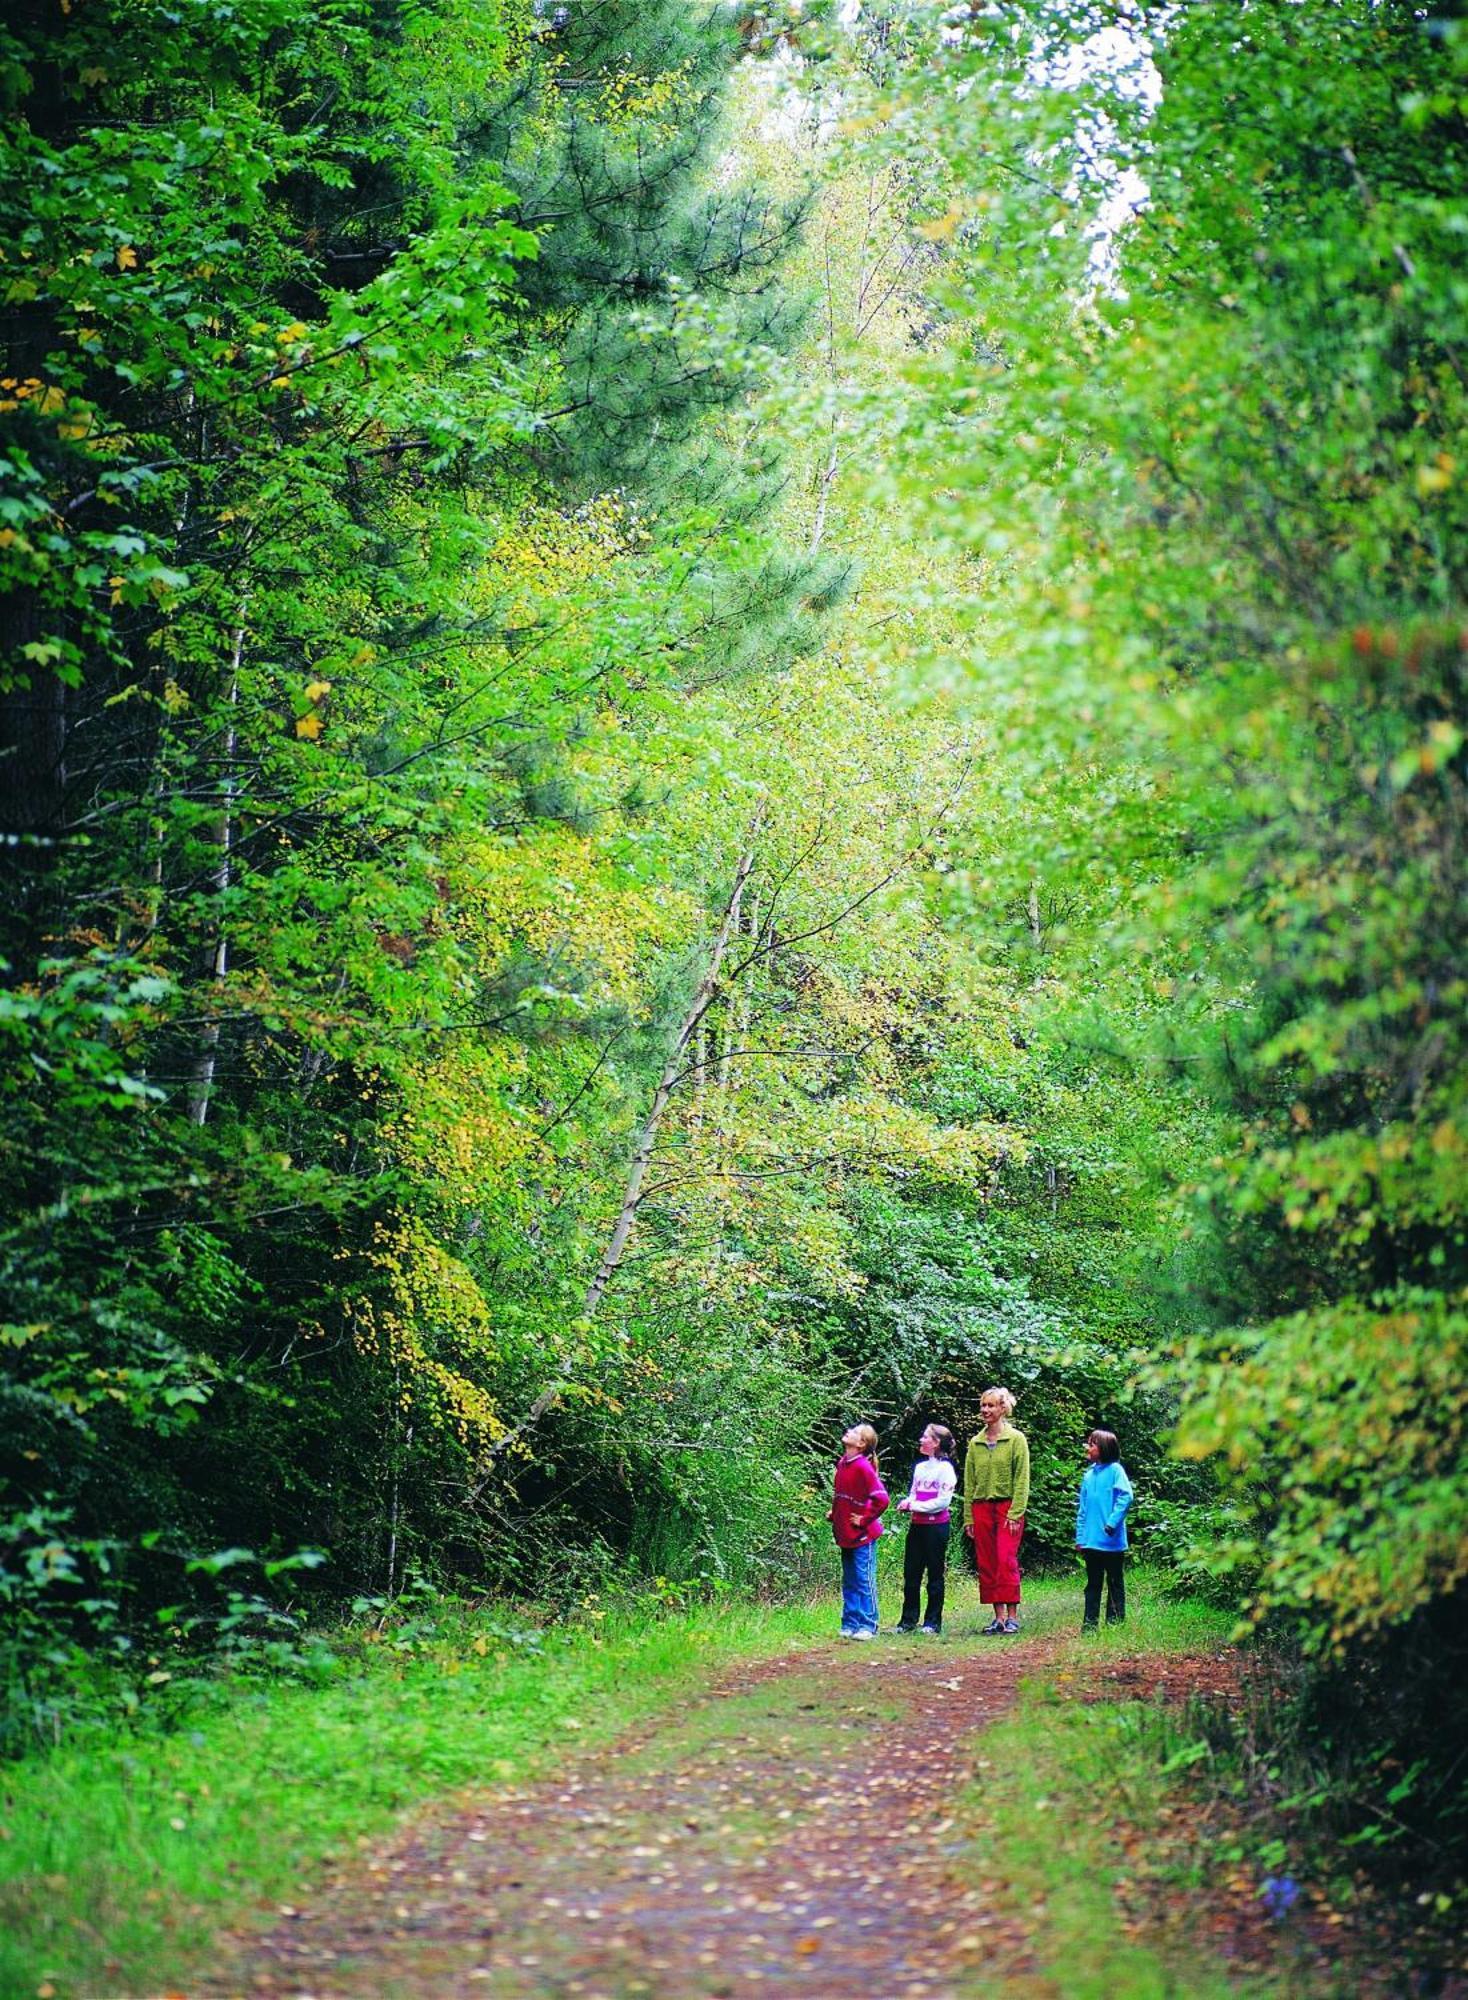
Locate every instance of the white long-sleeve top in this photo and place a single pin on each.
(931, 1491)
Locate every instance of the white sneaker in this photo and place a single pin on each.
(863, 1635)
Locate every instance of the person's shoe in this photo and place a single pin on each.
(849, 1632)
(931, 1631)
(1010, 1625)
(872, 1635)
(904, 1628)
(994, 1625)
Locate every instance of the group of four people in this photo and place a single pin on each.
(996, 1492)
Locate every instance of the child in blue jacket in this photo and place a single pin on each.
(1105, 1495)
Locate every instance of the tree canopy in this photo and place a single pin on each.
(713, 723)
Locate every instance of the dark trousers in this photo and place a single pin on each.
(924, 1556)
(1105, 1564)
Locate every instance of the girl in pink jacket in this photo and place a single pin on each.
(855, 1518)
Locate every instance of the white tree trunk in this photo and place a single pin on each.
(216, 953)
(698, 1006)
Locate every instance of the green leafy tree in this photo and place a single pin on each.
(359, 542)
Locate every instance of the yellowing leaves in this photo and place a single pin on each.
(941, 228)
(127, 258)
(459, 1129)
(549, 552)
(1447, 1138)
(629, 98)
(558, 893)
(426, 1317)
(309, 726)
(44, 397)
(1437, 475)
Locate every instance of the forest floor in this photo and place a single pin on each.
(905, 1820)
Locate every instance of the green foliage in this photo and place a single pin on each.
(360, 369)
(454, 529)
(1219, 475)
(1343, 1203)
(1211, 468)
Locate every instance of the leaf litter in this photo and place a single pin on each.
(787, 1833)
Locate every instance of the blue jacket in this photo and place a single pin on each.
(1106, 1493)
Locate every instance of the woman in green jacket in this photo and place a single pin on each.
(996, 1491)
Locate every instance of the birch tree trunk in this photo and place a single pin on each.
(700, 1066)
(702, 1000)
(736, 1030)
(216, 952)
(692, 1020)
(823, 493)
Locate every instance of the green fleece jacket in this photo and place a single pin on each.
(998, 1471)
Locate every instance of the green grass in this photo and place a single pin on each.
(1059, 1820)
(122, 1855)
(1052, 1607)
(1076, 1805)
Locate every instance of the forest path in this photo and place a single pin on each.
(789, 1831)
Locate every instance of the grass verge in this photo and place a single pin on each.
(121, 1855)
(1095, 1829)
(1074, 1808)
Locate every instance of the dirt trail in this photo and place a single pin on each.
(787, 1832)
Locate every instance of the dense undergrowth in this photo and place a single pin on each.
(1197, 1841)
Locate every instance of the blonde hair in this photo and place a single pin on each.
(1005, 1397)
(865, 1437)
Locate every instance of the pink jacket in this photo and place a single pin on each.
(860, 1499)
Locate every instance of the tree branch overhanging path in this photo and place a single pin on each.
(675, 1069)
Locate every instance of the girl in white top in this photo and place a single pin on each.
(927, 1509)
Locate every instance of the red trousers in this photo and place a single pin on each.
(996, 1552)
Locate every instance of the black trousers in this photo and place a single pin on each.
(1105, 1564)
(924, 1556)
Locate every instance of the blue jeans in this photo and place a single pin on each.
(859, 1588)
